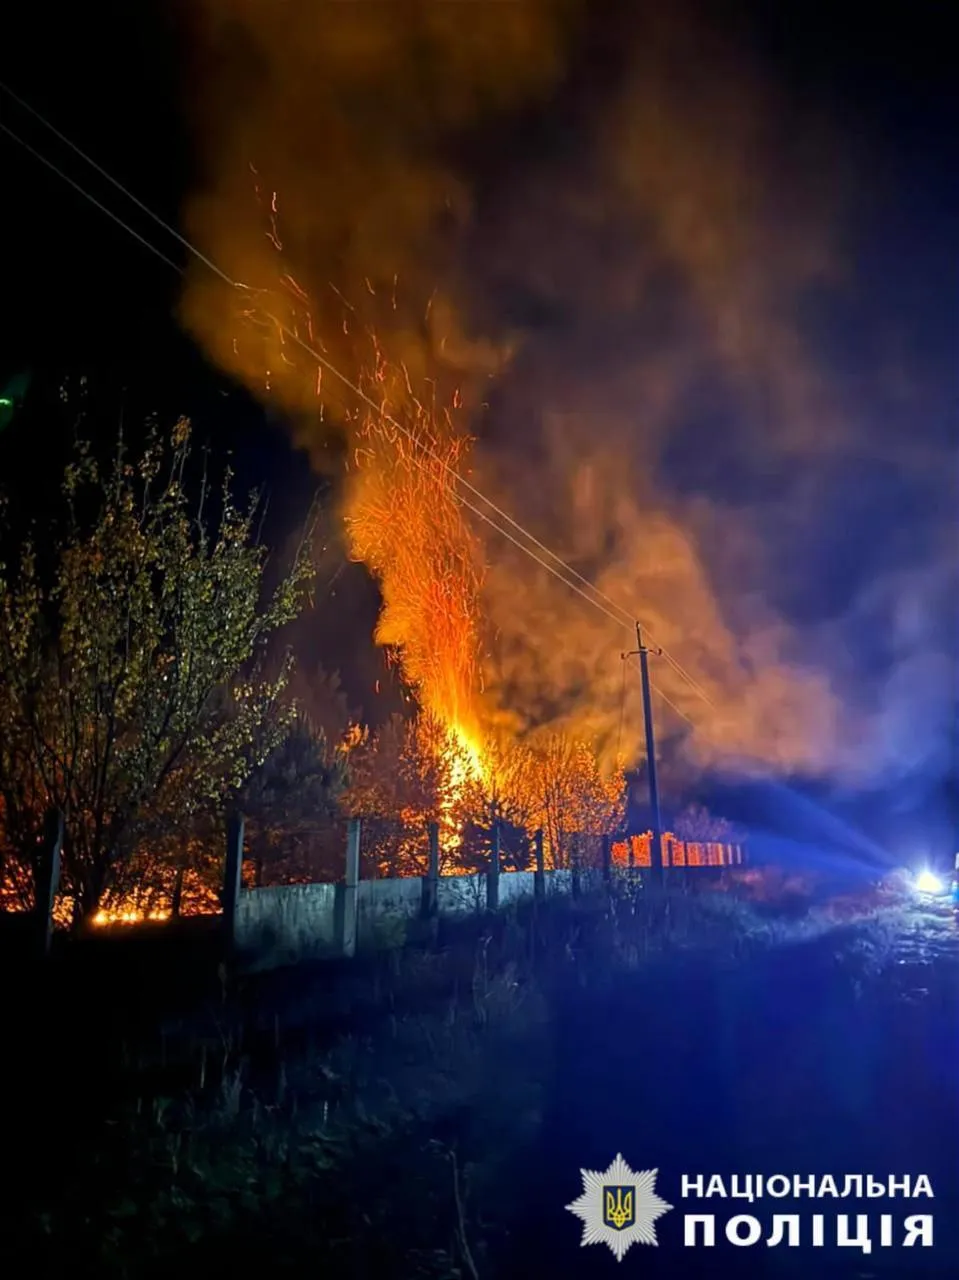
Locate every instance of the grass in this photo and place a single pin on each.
(364, 1118)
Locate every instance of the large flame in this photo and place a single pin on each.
(404, 522)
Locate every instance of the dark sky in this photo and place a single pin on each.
(82, 297)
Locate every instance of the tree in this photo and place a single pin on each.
(414, 771)
(570, 796)
(320, 694)
(290, 802)
(696, 823)
(133, 684)
(504, 798)
(401, 779)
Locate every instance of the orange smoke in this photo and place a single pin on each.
(665, 257)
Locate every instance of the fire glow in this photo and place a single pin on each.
(403, 521)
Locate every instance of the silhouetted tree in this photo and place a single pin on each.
(131, 672)
(290, 802)
(696, 823)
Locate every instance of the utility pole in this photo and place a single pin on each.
(656, 850)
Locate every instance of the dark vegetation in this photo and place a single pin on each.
(425, 1112)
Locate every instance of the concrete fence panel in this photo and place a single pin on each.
(385, 909)
(461, 895)
(284, 924)
(516, 886)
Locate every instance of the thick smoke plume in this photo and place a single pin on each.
(348, 118)
(623, 317)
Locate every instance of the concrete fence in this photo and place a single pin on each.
(284, 923)
(270, 926)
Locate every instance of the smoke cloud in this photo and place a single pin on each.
(629, 317)
(346, 121)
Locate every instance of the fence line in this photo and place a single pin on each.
(636, 851)
(334, 917)
(285, 923)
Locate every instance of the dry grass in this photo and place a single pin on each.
(290, 1108)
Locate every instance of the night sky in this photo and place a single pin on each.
(779, 368)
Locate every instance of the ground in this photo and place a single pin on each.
(427, 1113)
(838, 1055)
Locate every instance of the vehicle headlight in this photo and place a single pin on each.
(928, 882)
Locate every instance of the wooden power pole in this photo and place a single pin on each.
(656, 850)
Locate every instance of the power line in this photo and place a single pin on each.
(331, 368)
(93, 200)
(620, 617)
(104, 173)
(430, 452)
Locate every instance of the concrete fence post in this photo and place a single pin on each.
(346, 908)
(48, 878)
(492, 876)
(177, 899)
(431, 880)
(232, 875)
(539, 875)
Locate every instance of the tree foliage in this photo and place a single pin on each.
(290, 802)
(401, 779)
(412, 769)
(405, 768)
(569, 794)
(133, 685)
(696, 823)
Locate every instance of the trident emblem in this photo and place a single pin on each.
(618, 1207)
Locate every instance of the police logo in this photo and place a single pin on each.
(618, 1207)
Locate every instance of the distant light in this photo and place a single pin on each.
(928, 882)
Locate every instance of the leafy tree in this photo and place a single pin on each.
(412, 770)
(504, 798)
(133, 684)
(402, 768)
(400, 781)
(320, 694)
(569, 795)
